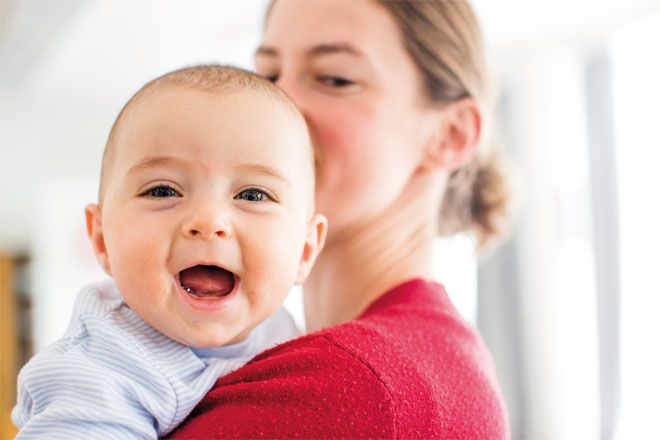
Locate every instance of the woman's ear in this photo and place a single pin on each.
(95, 234)
(317, 229)
(457, 137)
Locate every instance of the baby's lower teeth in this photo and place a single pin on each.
(199, 294)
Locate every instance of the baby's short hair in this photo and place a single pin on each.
(212, 78)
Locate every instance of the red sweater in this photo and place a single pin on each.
(408, 367)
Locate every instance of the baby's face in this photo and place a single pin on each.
(207, 217)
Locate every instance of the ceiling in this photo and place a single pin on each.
(75, 46)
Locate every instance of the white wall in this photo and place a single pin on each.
(66, 68)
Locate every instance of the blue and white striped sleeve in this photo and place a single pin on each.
(96, 384)
(115, 376)
(74, 393)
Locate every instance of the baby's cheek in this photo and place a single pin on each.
(135, 256)
(272, 276)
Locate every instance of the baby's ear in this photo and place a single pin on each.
(317, 229)
(95, 233)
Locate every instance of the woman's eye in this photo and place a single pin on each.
(335, 81)
(161, 191)
(253, 195)
(272, 77)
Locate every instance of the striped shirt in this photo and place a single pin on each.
(112, 375)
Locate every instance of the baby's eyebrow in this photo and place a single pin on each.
(151, 162)
(264, 170)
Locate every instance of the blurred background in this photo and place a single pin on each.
(568, 306)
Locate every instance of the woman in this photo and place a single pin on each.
(393, 93)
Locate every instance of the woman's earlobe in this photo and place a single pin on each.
(317, 231)
(95, 234)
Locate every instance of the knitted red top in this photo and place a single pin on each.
(409, 367)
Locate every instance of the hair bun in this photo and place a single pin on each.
(477, 201)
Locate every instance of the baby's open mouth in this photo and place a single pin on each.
(206, 281)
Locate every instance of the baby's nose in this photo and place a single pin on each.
(207, 221)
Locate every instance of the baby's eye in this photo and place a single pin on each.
(161, 191)
(335, 81)
(253, 195)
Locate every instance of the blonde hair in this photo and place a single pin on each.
(445, 42)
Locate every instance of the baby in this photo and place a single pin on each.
(205, 221)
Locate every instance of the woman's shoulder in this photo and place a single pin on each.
(408, 367)
(415, 325)
(433, 363)
(309, 387)
(415, 319)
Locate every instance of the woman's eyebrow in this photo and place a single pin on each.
(333, 48)
(319, 49)
(266, 51)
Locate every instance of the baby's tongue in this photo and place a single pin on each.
(207, 280)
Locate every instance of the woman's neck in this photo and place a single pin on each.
(360, 264)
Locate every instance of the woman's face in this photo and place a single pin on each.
(344, 65)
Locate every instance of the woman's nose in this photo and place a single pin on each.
(206, 221)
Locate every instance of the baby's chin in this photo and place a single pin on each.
(210, 338)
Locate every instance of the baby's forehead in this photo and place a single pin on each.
(261, 100)
(176, 102)
(262, 124)
(174, 98)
